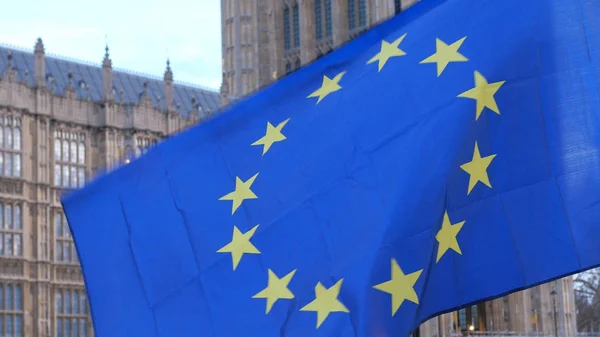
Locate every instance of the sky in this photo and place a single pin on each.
(141, 34)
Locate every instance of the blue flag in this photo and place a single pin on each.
(447, 156)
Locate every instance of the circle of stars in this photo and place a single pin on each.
(401, 285)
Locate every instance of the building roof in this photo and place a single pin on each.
(131, 83)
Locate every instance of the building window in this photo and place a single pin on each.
(10, 146)
(328, 19)
(11, 230)
(462, 319)
(291, 27)
(11, 310)
(296, 14)
(505, 310)
(474, 317)
(397, 6)
(69, 158)
(297, 65)
(71, 313)
(286, 29)
(319, 19)
(142, 145)
(323, 19)
(357, 14)
(288, 68)
(65, 249)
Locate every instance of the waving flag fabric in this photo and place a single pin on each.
(446, 156)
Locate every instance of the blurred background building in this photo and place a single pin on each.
(62, 122)
(263, 40)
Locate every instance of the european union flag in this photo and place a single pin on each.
(446, 156)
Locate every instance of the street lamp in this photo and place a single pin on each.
(553, 293)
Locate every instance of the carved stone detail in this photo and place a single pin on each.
(10, 186)
(70, 273)
(12, 267)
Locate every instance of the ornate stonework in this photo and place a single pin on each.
(58, 130)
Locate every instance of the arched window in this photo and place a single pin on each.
(57, 152)
(287, 32)
(81, 153)
(17, 139)
(11, 309)
(71, 317)
(8, 164)
(65, 150)
(142, 145)
(70, 161)
(16, 165)
(9, 298)
(18, 298)
(357, 14)
(67, 302)
(328, 19)
(397, 6)
(17, 218)
(9, 137)
(323, 21)
(8, 216)
(296, 22)
(319, 19)
(75, 302)
(73, 154)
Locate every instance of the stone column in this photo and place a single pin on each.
(381, 10)
(169, 90)
(307, 31)
(39, 64)
(494, 311)
(277, 44)
(339, 15)
(520, 311)
(569, 306)
(107, 78)
(565, 307)
(430, 328)
(546, 315)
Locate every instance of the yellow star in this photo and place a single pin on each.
(444, 54)
(277, 288)
(483, 93)
(273, 135)
(388, 50)
(477, 169)
(326, 302)
(329, 85)
(401, 286)
(240, 244)
(242, 192)
(447, 237)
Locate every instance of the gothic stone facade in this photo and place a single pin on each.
(62, 122)
(263, 40)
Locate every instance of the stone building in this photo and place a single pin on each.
(263, 40)
(62, 122)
